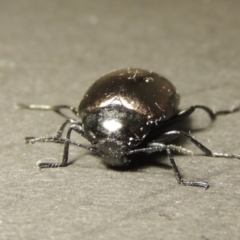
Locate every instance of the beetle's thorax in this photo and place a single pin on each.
(116, 123)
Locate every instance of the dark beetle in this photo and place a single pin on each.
(126, 112)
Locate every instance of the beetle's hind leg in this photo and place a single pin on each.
(57, 108)
(213, 115)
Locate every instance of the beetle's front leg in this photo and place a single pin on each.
(77, 127)
(159, 147)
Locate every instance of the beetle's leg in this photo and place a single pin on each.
(65, 141)
(225, 112)
(185, 113)
(201, 146)
(57, 139)
(211, 113)
(159, 147)
(56, 108)
(60, 140)
(61, 129)
(79, 129)
(178, 175)
(66, 147)
(65, 151)
(190, 110)
(175, 148)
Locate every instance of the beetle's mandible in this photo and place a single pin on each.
(123, 113)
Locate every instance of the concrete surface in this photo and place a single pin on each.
(51, 52)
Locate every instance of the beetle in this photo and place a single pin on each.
(126, 112)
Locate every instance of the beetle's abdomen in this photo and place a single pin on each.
(140, 90)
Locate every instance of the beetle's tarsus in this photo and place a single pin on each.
(226, 155)
(195, 184)
(50, 165)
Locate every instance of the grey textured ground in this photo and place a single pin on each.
(51, 52)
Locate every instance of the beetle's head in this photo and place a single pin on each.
(113, 152)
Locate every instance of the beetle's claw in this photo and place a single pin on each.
(29, 140)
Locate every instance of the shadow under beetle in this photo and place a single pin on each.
(126, 112)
